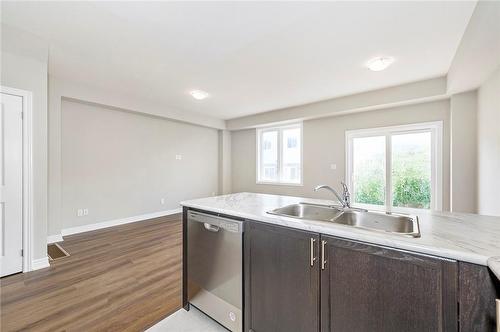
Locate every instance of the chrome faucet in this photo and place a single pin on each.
(345, 199)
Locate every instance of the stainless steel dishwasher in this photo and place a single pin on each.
(215, 267)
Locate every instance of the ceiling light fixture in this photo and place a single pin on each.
(199, 94)
(380, 63)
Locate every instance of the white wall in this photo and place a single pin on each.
(224, 162)
(60, 88)
(478, 54)
(489, 146)
(463, 110)
(119, 164)
(54, 222)
(396, 96)
(24, 66)
(324, 144)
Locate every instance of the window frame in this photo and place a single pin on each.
(436, 130)
(259, 132)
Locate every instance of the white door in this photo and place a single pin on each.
(11, 185)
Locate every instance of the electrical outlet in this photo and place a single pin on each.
(79, 212)
(162, 201)
(333, 166)
(178, 157)
(85, 212)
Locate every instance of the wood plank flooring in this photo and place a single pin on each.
(123, 278)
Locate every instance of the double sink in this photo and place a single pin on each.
(376, 221)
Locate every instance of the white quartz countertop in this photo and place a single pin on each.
(465, 237)
(494, 265)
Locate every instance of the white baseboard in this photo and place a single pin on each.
(116, 222)
(54, 238)
(40, 263)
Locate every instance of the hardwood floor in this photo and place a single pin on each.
(123, 278)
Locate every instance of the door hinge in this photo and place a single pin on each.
(22, 252)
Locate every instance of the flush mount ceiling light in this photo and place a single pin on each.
(380, 63)
(199, 94)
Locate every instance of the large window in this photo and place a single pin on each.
(395, 168)
(279, 155)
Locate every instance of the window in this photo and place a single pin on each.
(279, 155)
(395, 168)
(291, 142)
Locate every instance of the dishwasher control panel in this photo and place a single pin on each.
(230, 225)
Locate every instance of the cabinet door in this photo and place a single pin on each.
(372, 288)
(478, 289)
(281, 286)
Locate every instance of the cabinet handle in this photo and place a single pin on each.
(498, 315)
(312, 251)
(323, 260)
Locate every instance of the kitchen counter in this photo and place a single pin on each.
(494, 265)
(465, 237)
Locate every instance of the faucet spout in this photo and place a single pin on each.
(341, 199)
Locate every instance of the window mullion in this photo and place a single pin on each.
(388, 172)
(433, 171)
(261, 152)
(280, 155)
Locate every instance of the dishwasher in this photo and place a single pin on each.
(214, 267)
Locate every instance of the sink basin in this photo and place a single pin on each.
(376, 221)
(308, 211)
(379, 221)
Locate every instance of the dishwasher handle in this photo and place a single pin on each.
(211, 228)
(214, 223)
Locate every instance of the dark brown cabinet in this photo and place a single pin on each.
(478, 290)
(372, 288)
(303, 281)
(281, 284)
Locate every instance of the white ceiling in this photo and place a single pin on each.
(250, 56)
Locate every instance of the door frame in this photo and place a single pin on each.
(27, 119)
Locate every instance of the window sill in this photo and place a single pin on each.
(281, 184)
(383, 208)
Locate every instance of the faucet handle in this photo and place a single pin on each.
(346, 195)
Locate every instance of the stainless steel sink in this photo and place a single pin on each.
(377, 221)
(308, 211)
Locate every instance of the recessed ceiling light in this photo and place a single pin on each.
(199, 94)
(380, 63)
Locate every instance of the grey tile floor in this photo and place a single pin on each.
(187, 321)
